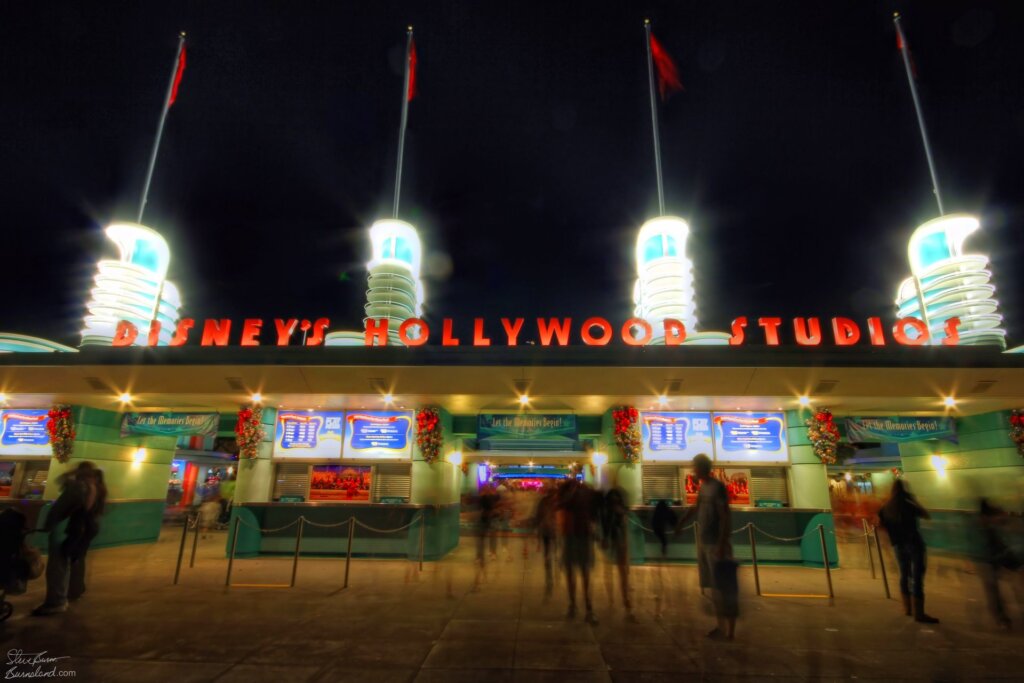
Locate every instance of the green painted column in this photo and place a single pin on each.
(627, 476)
(255, 479)
(135, 469)
(953, 476)
(808, 478)
(437, 483)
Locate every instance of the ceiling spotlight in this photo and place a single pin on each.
(3, 398)
(805, 400)
(256, 398)
(524, 399)
(949, 402)
(125, 397)
(663, 400)
(389, 399)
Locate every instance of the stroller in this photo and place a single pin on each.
(19, 563)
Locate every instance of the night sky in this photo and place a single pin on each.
(793, 151)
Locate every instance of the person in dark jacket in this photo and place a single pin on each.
(80, 504)
(900, 516)
(997, 558)
(662, 521)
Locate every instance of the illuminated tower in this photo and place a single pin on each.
(945, 282)
(664, 285)
(394, 289)
(133, 288)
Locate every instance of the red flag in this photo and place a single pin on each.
(668, 74)
(177, 77)
(412, 71)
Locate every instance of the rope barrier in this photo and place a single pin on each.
(269, 531)
(391, 531)
(327, 526)
(780, 538)
(743, 528)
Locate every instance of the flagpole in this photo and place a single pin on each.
(405, 120)
(904, 51)
(654, 119)
(160, 127)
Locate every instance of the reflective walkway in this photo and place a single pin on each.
(395, 624)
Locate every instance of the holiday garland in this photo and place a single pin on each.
(429, 434)
(627, 432)
(824, 435)
(62, 431)
(249, 431)
(1017, 430)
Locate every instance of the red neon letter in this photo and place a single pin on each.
(847, 332)
(404, 330)
(512, 331)
(154, 333)
(125, 335)
(737, 331)
(376, 332)
(560, 329)
(675, 332)
(771, 330)
(478, 333)
(589, 339)
(645, 328)
(875, 332)
(215, 332)
(250, 331)
(181, 332)
(319, 327)
(805, 337)
(446, 334)
(952, 337)
(899, 332)
(285, 329)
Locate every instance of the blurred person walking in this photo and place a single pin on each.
(900, 516)
(545, 523)
(81, 502)
(716, 567)
(997, 557)
(577, 503)
(615, 540)
(488, 503)
(662, 520)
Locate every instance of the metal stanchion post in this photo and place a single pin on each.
(348, 553)
(881, 565)
(231, 554)
(828, 570)
(195, 544)
(298, 544)
(696, 545)
(753, 557)
(867, 541)
(181, 549)
(423, 530)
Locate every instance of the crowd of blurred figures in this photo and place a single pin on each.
(570, 525)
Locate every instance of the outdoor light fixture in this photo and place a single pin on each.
(133, 288)
(524, 399)
(949, 402)
(599, 459)
(805, 400)
(946, 283)
(256, 398)
(455, 458)
(939, 463)
(125, 397)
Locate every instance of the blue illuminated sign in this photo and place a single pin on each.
(751, 437)
(378, 434)
(308, 434)
(675, 436)
(24, 432)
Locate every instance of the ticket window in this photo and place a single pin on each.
(23, 479)
(335, 482)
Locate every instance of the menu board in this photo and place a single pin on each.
(378, 434)
(675, 436)
(24, 432)
(750, 437)
(308, 434)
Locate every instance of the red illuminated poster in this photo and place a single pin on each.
(340, 483)
(737, 485)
